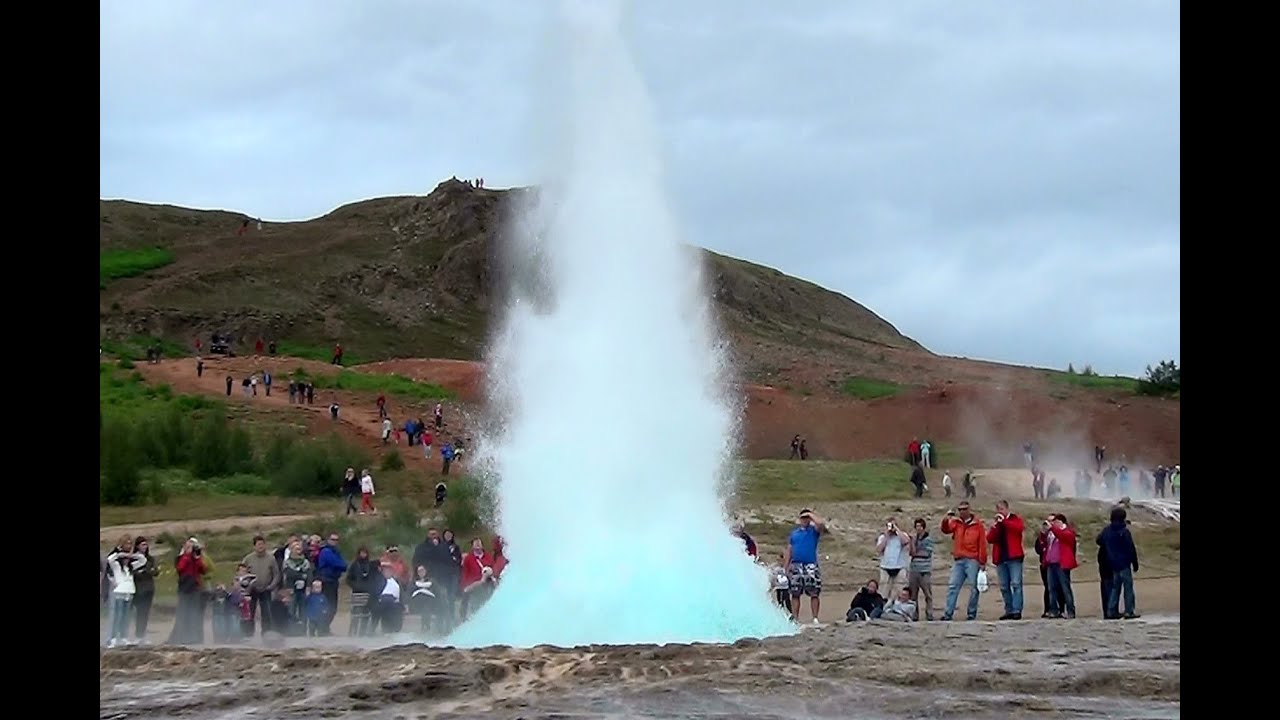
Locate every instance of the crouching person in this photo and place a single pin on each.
(868, 604)
(901, 608)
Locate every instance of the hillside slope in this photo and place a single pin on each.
(417, 276)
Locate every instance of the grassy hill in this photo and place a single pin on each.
(405, 277)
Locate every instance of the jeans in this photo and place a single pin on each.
(1121, 582)
(1061, 599)
(1009, 573)
(120, 616)
(964, 572)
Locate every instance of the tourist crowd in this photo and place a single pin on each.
(293, 590)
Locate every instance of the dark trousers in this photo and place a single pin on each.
(351, 504)
(188, 625)
(330, 590)
(259, 600)
(919, 491)
(142, 604)
(1121, 584)
(1064, 600)
(1104, 588)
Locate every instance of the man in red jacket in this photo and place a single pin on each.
(478, 579)
(1005, 537)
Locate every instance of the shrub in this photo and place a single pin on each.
(392, 461)
(316, 468)
(468, 503)
(125, 363)
(1163, 379)
(120, 482)
(209, 450)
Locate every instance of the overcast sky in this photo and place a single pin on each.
(997, 179)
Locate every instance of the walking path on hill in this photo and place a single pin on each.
(109, 533)
(357, 417)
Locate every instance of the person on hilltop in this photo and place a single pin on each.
(311, 394)
(350, 489)
(337, 354)
(442, 492)
(439, 416)
(969, 550)
(1099, 452)
(920, 571)
(381, 402)
(926, 448)
(230, 381)
(970, 484)
(894, 548)
(913, 451)
(1175, 481)
(266, 572)
(1060, 558)
(1121, 553)
(266, 381)
(329, 570)
(1005, 537)
(366, 493)
(386, 430)
(801, 560)
(199, 368)
(271, 348)
(946, 483)
(427, 439)
(795, 447)
(446, 457)
(258, 347)
(918, 480)
(293, 390)
(333, 410)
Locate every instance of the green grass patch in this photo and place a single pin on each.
(203, 505)
(864, 388)
(117, 264)
(355, 381)
(815, 481)
(1094, 382)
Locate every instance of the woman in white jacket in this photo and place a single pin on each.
(120, 565)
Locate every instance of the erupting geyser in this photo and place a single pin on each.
(615, 427)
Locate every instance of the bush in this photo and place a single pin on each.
(114, 264)
(125, 363)
(314, 469)
(1162, 380)
(119, 461)
(466, 507)
(392, 461)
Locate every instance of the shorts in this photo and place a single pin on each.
(805, 579)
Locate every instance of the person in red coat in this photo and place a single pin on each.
(1061, 560)
(478, 580)
(499, 557)
(1042, 549)
(1005, 538)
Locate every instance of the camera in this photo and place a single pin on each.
(196, 551)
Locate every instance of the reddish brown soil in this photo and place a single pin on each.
(989, 413)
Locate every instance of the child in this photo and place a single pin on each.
(423, 600)
(426, 443)
(366, 493)
(386, 430)
(221, 626)
(441, 492)
(317, 609)
(781, 584)
(282, 616)
(244, 579)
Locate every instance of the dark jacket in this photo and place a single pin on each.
(917, 476)
(144, 575)
(435, 558)
(365, 576)
(1117, 544)
(867, 601)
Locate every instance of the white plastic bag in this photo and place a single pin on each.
(982, 581)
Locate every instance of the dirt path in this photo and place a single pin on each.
(357, 420)
(108, 533)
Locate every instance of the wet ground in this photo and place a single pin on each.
(1059, 669)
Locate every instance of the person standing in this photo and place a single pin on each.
(946, 483)
(366, 493)
(918, 482)
(1122, 558)
(329, 569)
(192, 567)
(230, 382)
(804, 574)
(913, 451)
(1005, 538)
(386, 430)
(262, 565)
(1061, 559)
(199, 368)
(969, 551)
(266, 381)
(145, 571)
(293, 391)
(920, 571)
(350, 489)
(439, 416)
(382, 405)
(446, 457)
(1175, 481)
(926, 448)
(120, 561)
(894, 547)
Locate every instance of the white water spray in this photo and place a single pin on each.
(615, 430)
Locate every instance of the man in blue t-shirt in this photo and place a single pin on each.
(801, 561)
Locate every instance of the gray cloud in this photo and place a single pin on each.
(1000, 181)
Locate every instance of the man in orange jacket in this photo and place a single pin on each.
(969, 548)
(1005, 537)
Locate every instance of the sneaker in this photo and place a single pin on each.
(111, 643)
(1044, 616)
(1016, 616)
(1070, 616)
(946, 618)
(815, 621)
(1131, 616)
(1006, 616)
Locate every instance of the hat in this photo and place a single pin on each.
(194, 541)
